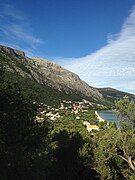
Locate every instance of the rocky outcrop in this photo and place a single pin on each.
(11, 51)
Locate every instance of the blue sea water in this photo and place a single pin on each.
(108, 116)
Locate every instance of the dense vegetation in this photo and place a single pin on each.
(62, 149)
(33, 147)
(112, 95)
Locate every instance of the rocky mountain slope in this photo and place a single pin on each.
(46, 73)
(62, 79)
(46, 81)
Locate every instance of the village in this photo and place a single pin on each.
(76, 109)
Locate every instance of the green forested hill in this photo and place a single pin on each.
(111, 94)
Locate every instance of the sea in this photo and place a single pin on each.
(109, 116)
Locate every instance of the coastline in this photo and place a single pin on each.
(99, 117)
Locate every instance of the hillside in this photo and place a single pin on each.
(43, 80)
(111, 94)
(47, 82)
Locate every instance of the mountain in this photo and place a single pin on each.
(47, 82)
(40, 76)
(112, 94)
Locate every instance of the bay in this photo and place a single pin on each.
(108, 116)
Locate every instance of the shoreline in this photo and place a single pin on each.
(99, 117)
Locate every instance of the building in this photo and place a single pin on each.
(90, 127)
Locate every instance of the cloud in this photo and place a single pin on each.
(15, 28)
(114, 64)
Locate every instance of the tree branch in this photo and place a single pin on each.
(123, 158)
(131, 163)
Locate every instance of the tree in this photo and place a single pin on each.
(105, 153)
(125, 109)
(114, 147)
(68, 161)
(23, 141)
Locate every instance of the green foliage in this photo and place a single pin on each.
(22, 139)
(88, 116)
(114, 153)
(114, 147)
(70, 157)
(126, 109)
(105, 152)
(66, 155)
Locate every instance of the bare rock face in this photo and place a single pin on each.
(63, 79)
(49, 73)
(11, 51)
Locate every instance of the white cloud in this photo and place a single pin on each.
(15, 28)
(114, 64)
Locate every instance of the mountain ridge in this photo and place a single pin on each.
(46, 72)
(113, 94)
(52, 80)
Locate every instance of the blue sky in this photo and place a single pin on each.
(93, 38)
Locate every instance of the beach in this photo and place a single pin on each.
(99, 117)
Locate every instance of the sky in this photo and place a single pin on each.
(93, 38)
